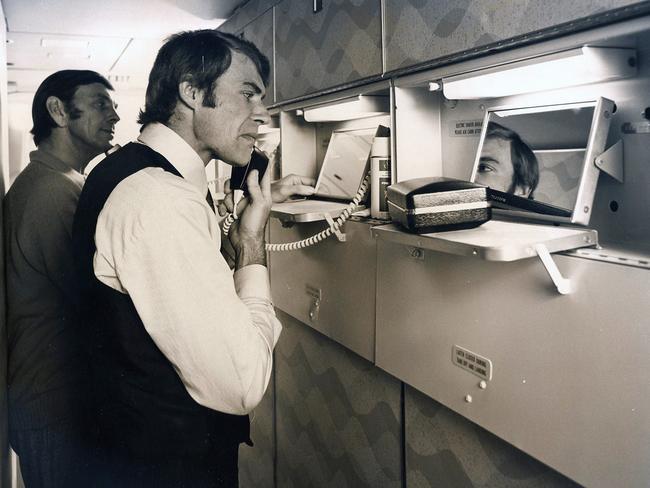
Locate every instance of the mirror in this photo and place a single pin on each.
(538, 161)
(345, 164)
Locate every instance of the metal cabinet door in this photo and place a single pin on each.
(260, 33)
(245, 14)
(569, 382)
(339, 44)
(418, 31)
(329, 286)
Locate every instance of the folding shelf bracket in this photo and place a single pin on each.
(562, 284)
(339, 235)
(611, 161)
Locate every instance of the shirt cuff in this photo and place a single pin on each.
(252, 281)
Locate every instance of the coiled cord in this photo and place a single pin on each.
(316, 238)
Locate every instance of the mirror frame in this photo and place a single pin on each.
(581, 211)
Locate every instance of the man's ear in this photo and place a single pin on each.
(189, 94)
(56, 109)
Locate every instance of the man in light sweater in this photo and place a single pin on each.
(74, 118)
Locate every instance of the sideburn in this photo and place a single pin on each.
(209, 100)
(73, 111)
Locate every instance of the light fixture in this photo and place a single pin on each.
(538, 110)
(69, 55)
(434, 86)
(65, 43)
(559, 70)
(349, 108)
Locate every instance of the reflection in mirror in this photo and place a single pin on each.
(507, 162)
(345, 164)
(533, 159)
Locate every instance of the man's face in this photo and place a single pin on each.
(495, 166)
(92, 119)
(229, 130)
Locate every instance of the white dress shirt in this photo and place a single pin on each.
(158, 241)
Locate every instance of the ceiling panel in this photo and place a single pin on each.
(139, 56)
(119, 18)
(117, 38)
(48, 51)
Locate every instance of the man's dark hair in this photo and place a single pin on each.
(524, 162)
(201, 57)
(63, 85)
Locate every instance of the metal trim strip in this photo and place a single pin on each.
(457, 207)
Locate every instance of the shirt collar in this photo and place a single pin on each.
(51, 161)
(179, 153)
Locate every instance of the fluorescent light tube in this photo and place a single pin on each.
(538, 110)
(567, 68)
(65, 43)
(349, 108)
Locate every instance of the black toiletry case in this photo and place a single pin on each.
(436, 204)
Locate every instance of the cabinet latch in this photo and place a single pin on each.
(316, 296)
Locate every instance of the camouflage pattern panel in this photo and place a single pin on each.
(256, 463)
(260, 33)
(423, 30)
(314, 51)
(245, 14)
(230, 26)
(338, 416)
(445, 449)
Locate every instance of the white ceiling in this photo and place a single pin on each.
(118, 38)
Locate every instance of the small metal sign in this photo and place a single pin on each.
(466, 128)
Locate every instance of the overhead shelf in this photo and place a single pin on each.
(495, 240)
(500, 241)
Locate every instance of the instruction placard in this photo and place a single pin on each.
(466, 128)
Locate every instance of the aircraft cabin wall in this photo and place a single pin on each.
(4, 179)
(365, 385)
(366, 390)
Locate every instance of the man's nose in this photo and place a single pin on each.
(113, 117)
(261, 114)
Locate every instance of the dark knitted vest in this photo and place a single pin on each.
(143, 410)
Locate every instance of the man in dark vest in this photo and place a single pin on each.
(180, 348)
